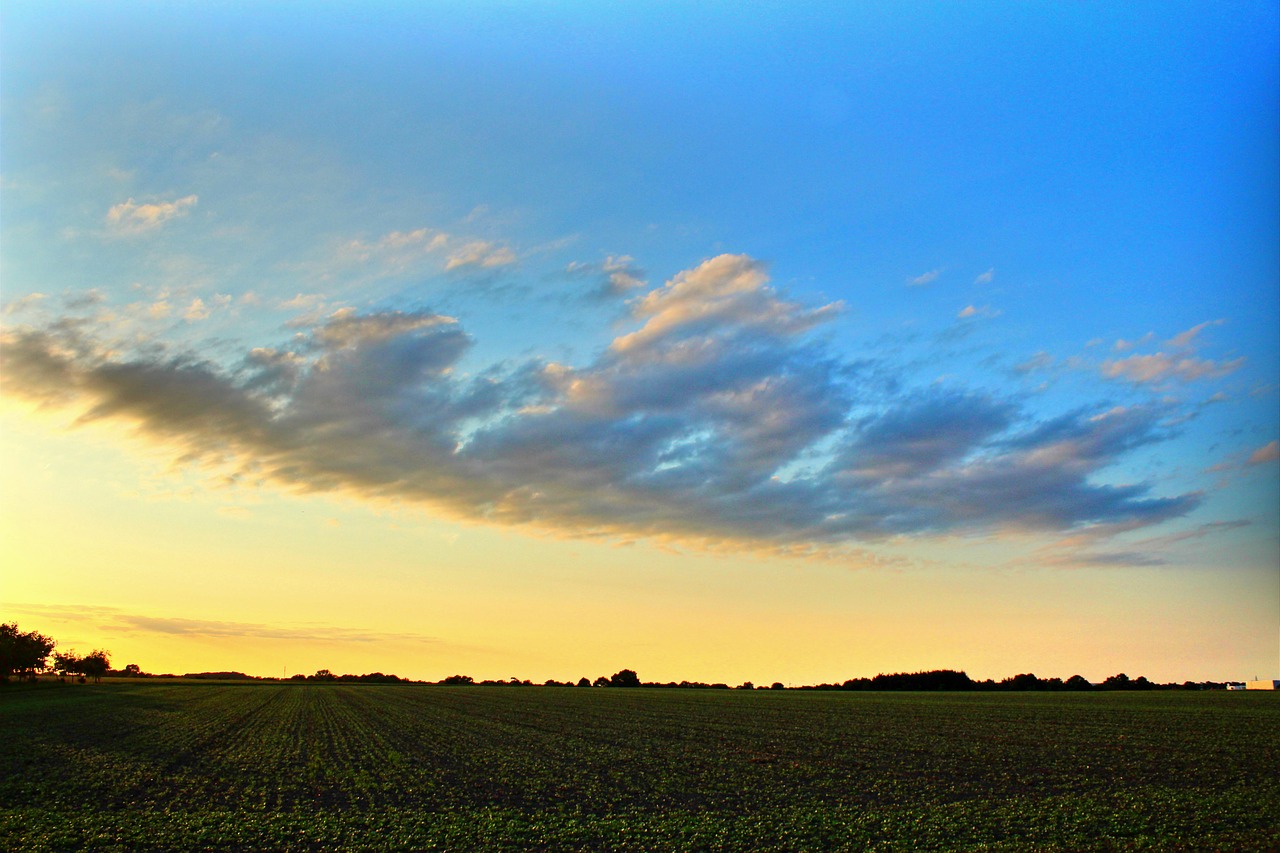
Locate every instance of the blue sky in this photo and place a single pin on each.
(915, 285)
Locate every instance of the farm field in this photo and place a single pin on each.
(132, 766)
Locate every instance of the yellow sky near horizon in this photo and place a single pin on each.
(111, 548)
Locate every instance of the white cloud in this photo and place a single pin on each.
(1121, 345)
(727, 289)
(1160, 367)
(480, 253)
(402, 252)
(1179, 363)
(24, 302)
(129, 217)
(987, 277)
(397, 250)
(925, 278)
(1185, 340)
(1267, 453)
(617, 275)
(197, 310)
(977, 311)
(300, 301)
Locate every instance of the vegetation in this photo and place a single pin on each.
(26, 655)
(316, 765)
(22, 654)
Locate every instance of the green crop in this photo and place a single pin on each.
(354, 767)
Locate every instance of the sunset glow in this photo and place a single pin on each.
(544, 340)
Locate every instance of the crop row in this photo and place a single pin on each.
(300, 766)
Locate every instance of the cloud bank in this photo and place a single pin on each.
(716, 420)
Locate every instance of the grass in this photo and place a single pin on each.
(296, 767)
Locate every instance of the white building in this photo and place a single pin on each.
(1262, 685)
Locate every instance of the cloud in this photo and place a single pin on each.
(986, 277)
(23, 303)
(396, 250)
(1081, 549)
(925, 278)
(1186, 339)
(1180, 363)
(616, 276)
(1039, 361)
(403, 252)
(302, 301)
(1161, 367)
(129, 217)
(1121, 345)
(716, 419)
(197, 310)
(1269, 452)
(728, 291)
(82, 301)
(480, 253)
(114, 620)
(977, 311)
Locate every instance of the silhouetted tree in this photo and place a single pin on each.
(132, 670)
(95, 664)
(458, 679)
(1022, 681)
(1119, 681)
(67, 663)
(625, 678)
(937, 679)
(584, 682)
(22, 653)
(600, 682)
(1077, 682)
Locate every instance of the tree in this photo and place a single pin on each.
(21, 653)
(625, 678)
(600, 682)
(584, 682)
(67, 663)
(95, 664)
(458, 679)
(1022, 681)
(132, 670)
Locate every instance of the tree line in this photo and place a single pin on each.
(937, 679)
(27, 654)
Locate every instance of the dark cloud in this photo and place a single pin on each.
(716, 420)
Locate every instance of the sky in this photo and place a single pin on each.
(793, 343)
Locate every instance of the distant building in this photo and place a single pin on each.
(1235, 686)
(1263, 685)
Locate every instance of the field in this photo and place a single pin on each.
(283, 766)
